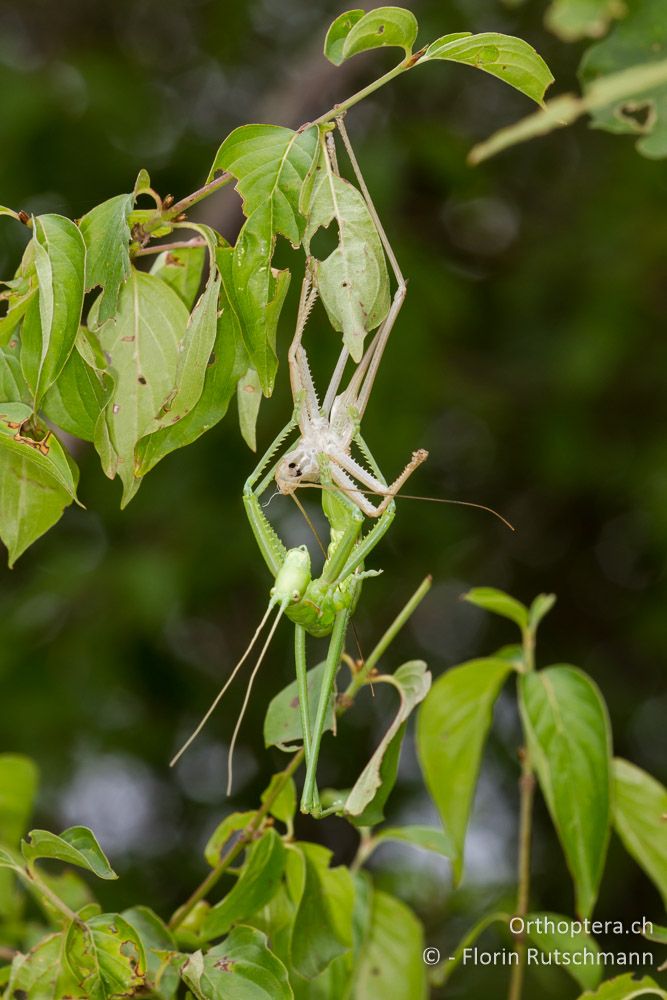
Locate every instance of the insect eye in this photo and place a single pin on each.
(292, 465)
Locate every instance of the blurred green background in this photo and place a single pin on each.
(530, 359)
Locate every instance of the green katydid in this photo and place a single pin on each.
(322, 606)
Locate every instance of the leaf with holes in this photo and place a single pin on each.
(452, 727)
(365, 803)
(324, 897)
(509, 59)
(258, 881)
(142, 347)
(52, 318)
(106, 233)
(238, 969)
(639, 39)
(569, 741)
(162, 956)
(353, 281)
(107, 957)
(640, 819)
(37, 479)
(354, 32)
(76, 846)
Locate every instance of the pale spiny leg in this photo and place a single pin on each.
(345, 464)
(303, 388)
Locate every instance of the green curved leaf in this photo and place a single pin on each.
(390, 964)
(366, 801)
(428, 838)
(353, 281)
(240, 968)
(230, 824)
(75, 401)
(182, 268)
(385, 26)
(338, 32)
(76, 846)
(569, 740)
(106, 233)
(639, 816)
(37, 480)
(257, 883)
(509, 59)
(542, 931)
(498, 603)
(322, 928)
(52, 317)
(452, 726)
(162, 977)
(249, 398)
(270, 164)
(107, 957)
(142, 347)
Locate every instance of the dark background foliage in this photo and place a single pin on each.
(529, 359)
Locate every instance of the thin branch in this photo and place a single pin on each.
(160, 247)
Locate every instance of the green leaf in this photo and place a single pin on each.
(142, 345)
(640, 819)
(18, 304)
(13, 386)
(160, 949)
(626, 988)
(640, 38)
(18, 788)
(322, 928)
(355, 32)
(282, 722)
(259, 293)
(540, 607)
(194, 351)
(452, 726)
(181, 268)
(569, 740)
(542, 929)
(43, 974)
(428, 838)
(106, 232)
(37, 480)
(391, 964)
(657, 934)
(283, 806)
(51, 321)
(74, 402)
(241, 968)
(370, 792)
(76, 846)
(230, 825)
(249, 397)
(107, 956)
(510, 59)
(270, 164)
(614, 90)
(499, 603)
(353, 281)
(338, 32)
(257, 883)
(227, 363)
(575, 19)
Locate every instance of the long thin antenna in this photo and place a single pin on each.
(230, 768)
(408, 496)
(309, 523)
(218, 698)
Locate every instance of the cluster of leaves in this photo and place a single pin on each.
(150, 361)
(292, 926)
(568, 747)
(623, 77)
